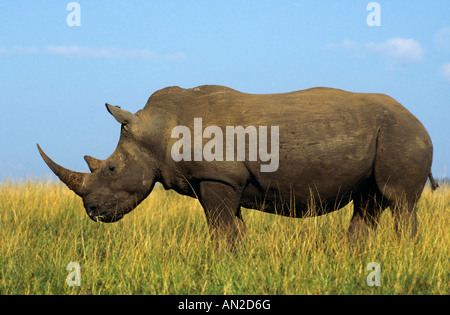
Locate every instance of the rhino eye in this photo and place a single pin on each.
(112, 168)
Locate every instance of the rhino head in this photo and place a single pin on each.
(118, 184)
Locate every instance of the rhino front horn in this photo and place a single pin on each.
(73, 180)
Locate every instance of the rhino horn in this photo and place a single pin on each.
(122, 116)
(93, 163)
(73, 180)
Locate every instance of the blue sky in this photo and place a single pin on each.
(55, 79)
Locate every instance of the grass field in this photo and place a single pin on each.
(163, 247)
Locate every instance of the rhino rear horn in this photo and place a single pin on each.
(93, 163)
(122, 116)
(73, 180)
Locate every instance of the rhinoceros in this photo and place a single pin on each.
(331, 147)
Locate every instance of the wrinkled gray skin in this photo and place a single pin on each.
(335, 147)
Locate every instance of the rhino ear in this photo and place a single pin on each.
(93, 163)
(122, 116)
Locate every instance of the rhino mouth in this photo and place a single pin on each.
(107, 216)
(110, 211)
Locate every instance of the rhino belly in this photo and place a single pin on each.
(314, 176)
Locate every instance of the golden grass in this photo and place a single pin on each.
(163, 247)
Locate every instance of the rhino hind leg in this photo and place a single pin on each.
(405, 217)
(368, 207)
(223, 215)
(401, 170)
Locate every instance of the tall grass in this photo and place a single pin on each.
(163, 247)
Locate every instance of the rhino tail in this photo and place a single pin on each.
(434, 185)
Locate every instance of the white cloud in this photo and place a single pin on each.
(347, 45)
(101, 52)
(398, 50)
(24, 50)
(19, 50)
(394, 50)
(445, 71)
(87, 52)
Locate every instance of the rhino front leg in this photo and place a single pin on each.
(223, 213)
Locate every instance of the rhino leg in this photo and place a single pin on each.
(402, 200)
(368, 207)
(401, 170)
(223, 214)
(405, 217)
